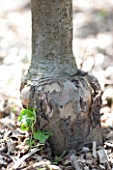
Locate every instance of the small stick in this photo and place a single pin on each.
(74, 161)
(22, 159)
(94, 150)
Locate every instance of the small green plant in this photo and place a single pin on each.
(27, 119)
(59, 158)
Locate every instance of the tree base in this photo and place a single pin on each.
(69, 108)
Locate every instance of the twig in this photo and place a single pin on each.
(22, 159)
(103, 159)
(74, 161)
(94, 150)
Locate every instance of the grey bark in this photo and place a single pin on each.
(51, 39)
(67, 100)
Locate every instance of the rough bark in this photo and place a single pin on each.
(69, 108)
(67, 100)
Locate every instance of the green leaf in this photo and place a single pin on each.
(27, 117)
(20, 118)
(42, 136)
(27, 112)
(24, 127)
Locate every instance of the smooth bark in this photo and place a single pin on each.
(51, 39)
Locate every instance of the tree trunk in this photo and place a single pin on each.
(67, 100)
(51, 39)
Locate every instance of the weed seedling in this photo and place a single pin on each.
(27, 119)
